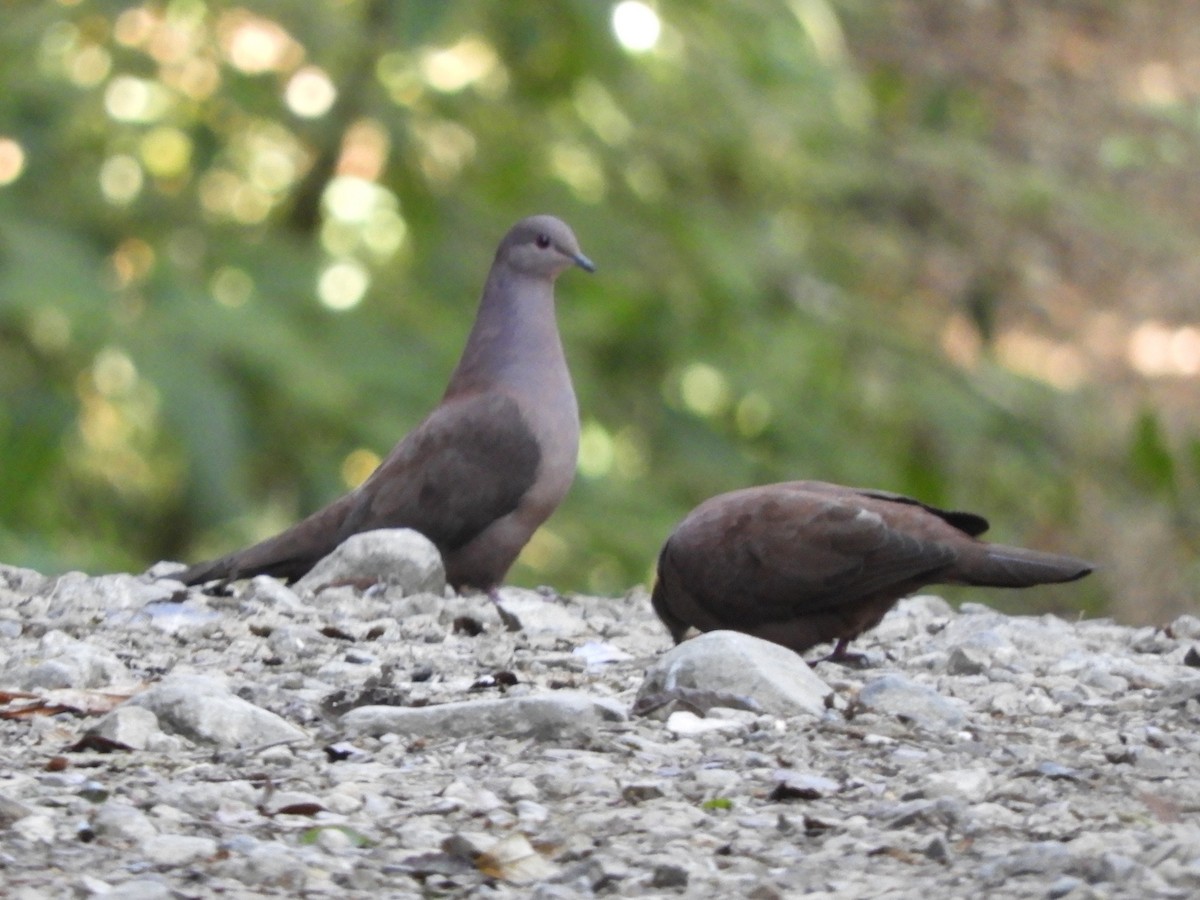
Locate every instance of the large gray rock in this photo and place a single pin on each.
(202, 709)
(544, 716)
(906, 699)
(61, 661)
(19, 580)
(74, 593)
(133, 726)
(735, 665)
(398, 557)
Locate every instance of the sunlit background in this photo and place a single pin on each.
(942, 248)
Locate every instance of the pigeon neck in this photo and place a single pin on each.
(515, 335)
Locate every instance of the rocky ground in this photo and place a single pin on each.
(400, 741)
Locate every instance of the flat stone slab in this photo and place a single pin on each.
(544, 717)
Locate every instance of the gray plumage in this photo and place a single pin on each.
(482, 471)
(805, 562)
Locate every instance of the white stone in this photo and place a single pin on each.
(202, 709)
(736, 665)
(398, 557)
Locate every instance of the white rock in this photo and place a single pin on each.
(688, 723)
(515, 860)
(299, 642)
(531, 815)
(133, 726)
(543, 716)
(271, 592)
(600, 653)
(116, 819)
(1186, 626)
(972, 785)
(807, 785)
(142, 889)
(967, 661)
(36, 827)
(192, 619)
(202, 709)
(334, 841)
(397, 557)
(76, 592)
(737, 665)
(21, 581)
(475, 798)
(11, 809)
(62, 661)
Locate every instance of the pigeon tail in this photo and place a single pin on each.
(1016, 567)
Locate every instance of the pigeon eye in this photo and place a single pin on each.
(543, 241)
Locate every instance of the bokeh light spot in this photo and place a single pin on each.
(197, 78)
(310, 93)
(445, 148)
(343, 284)
(364, 150)
(384, 233)
(545, 551)
(705, 391)
(350, 199)
(113, 372)
(636, 26)
(12, 160)
(1157, 350)
(231, 286)
(120, 179)
(961, 342)
(217, 188)
(1185, 350)
(166, 151)
(451, 69)
(132, 260)
(596, 452)
(255, 45)
(134, 26)
(358, 466)
(49, 329)
(89, 66)
(129, 99)
(272, 169)
(1058, 365)
(249, 204)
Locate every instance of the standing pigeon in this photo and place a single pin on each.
(492, 461)
(805, 562)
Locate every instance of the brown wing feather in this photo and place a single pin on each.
(467, 465)
(775, 555)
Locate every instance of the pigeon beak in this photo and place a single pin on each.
(583, 262)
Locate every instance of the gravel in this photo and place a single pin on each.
(389, 742)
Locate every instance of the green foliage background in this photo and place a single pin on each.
(818, 227)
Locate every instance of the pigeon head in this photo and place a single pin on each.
(542, 246)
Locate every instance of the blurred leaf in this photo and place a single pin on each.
(803, 205)
(1150, 455)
